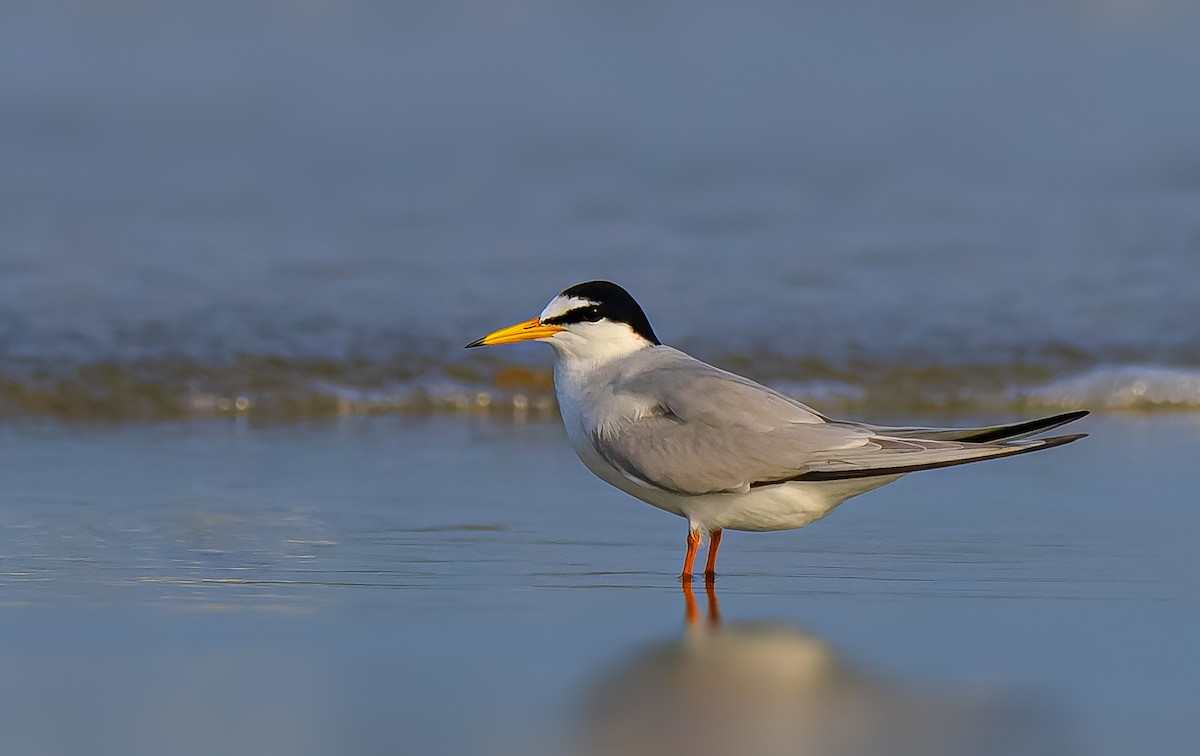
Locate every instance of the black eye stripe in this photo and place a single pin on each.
(590, 314)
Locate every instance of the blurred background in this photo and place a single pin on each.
(256, 498)
(302, 209)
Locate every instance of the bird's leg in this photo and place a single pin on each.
(693, 543)
(710, 569)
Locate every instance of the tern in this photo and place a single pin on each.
(718, 449)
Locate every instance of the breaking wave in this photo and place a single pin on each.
(285, 389)
(1129, 388)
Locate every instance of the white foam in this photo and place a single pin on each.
(1128, 387)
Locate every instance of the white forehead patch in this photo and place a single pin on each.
(561, 304)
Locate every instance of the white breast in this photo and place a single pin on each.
(586, 402)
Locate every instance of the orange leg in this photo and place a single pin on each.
(710, 569)
(693, 543)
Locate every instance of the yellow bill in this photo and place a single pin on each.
(528, 330)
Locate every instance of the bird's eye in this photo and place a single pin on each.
(591, 314)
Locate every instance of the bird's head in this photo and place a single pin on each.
(594, 321)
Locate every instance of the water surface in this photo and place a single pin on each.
(449, 586)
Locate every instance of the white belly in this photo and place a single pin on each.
(780, 507)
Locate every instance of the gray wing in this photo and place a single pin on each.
(670, 452)
(703, 393)
(709, 431)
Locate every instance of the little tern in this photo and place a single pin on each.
(718, 449)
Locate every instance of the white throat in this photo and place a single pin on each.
(588, 345)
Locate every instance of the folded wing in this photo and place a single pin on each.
(708, 431)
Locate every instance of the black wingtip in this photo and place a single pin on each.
(1060, 440)
(1030, 427)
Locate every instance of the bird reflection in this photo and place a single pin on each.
(691, 615)
(772, 689)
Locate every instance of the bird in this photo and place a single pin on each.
(718, 449)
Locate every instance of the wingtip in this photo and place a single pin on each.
(1060, 440)
(1015, 431)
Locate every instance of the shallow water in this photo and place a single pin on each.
(450, 586)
